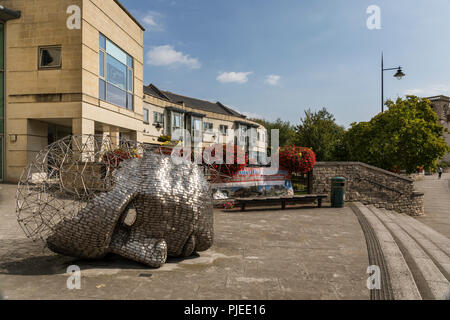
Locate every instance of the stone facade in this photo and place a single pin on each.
(370, 185)
(37, 99)
(441, 105)
(43, 105)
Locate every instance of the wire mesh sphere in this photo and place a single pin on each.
(64, 177)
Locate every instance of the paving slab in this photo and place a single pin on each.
(306, 253)
(437, 202)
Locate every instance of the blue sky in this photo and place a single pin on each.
(277, 58)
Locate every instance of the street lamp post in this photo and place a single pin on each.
(399, 75)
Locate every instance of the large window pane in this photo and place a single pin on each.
(146, 116)
(116, 52)
(102, 42)
(101, 63)
(117, 73)
(130, 80)
(101, 89)
(130, 102)
(116, 96)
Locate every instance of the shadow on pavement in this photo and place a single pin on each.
(257, 209)
(32, 260)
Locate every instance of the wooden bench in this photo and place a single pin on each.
(303, 199)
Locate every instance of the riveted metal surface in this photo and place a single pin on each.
(77, 194)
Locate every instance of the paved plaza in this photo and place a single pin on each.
(437, 202)
(305, 253)
(265, 254)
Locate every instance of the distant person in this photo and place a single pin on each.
(440, 171)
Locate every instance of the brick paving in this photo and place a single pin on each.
(261, 254)
(437, 202)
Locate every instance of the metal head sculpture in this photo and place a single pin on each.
(84, 196)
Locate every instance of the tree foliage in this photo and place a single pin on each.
(320, 132)
(405, 137)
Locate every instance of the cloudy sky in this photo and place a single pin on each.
(276, 58)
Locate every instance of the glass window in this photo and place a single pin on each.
(223, 129)
(130, 102)
(197, 124)
(116, 52)
(102, 89)
(130, 80)
(208, 126)
(116, 95)
(116, 73)
(116, 69)
(158, 117)
(177, 122)
(101, 63)
(102, 42)
(146, 116)
(50, 58)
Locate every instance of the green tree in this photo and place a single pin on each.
(406, 136)
(319, 131)
(287, 131)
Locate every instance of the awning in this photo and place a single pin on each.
(8, 14)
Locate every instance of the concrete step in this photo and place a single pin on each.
(400, 277)
(430, 280)
(423, 238)
(437, 238)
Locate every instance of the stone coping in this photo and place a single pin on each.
(367, 166)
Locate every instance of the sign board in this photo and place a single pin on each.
(255, 182)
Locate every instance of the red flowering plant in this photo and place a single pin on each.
(236, 160)
(115, 157)
(229, 205)
(297, 159)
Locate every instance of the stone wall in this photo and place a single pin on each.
(370, 185)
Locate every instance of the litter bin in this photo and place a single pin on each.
(338, 192)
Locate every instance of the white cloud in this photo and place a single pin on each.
(434, 90)
(167, 56)
(273, 80)
(151, 20)
(234, 77)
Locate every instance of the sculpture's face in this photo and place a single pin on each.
(136, 204)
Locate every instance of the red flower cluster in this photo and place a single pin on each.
(238, 163)
(114, 158)
(297, 159)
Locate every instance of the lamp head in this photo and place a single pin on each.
(399, 75)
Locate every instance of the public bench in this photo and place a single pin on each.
(283, 201)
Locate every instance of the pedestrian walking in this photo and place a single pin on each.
(440, 171)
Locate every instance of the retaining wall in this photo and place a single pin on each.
(370, 185)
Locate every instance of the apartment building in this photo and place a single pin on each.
(76, 67)
(206, 122)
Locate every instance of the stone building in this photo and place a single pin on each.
(73, 67)
(164, 112)
(441, 105)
